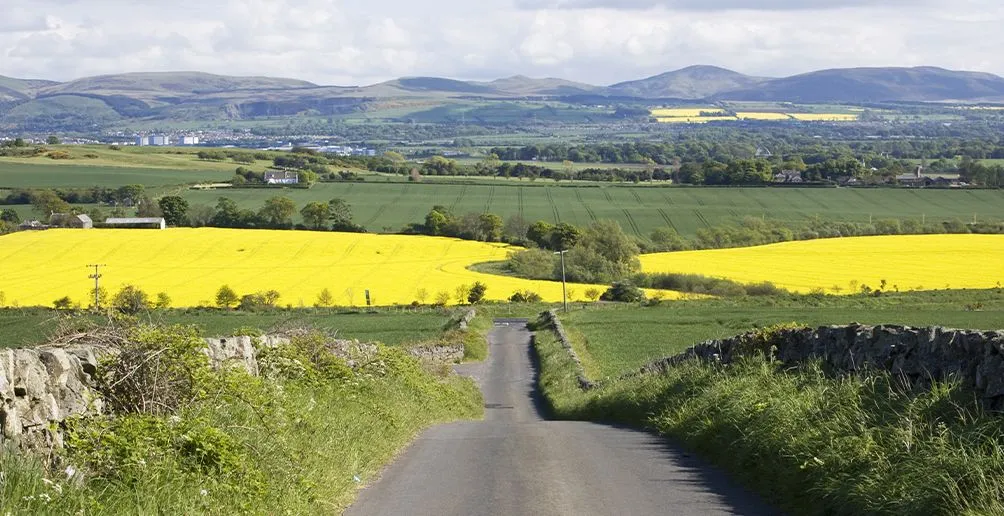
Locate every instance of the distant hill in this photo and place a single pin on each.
(693, 82)
(89, 102)
(145, 86)
(18, 89)
(523, 85)
(875, 84)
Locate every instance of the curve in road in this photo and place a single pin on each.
(516, 462)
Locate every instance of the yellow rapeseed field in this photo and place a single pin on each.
(761, 115)
(844, 265)
(685, 112)
(190, 265)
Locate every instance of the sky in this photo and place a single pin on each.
(357, 42)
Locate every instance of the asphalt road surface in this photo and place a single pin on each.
(516, 462)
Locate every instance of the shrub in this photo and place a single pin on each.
(163, 301)
(63, 303)
(525, 296)
(477, 293)
(623, 292)
(131, 300)
(226, 297)
(259, 301)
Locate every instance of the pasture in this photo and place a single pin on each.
(389, 207)
(46, 174)
(849, 265)
(619, 338)
(26, 327)
(190, 265)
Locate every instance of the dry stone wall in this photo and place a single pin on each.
(919, 355)
(40, 387)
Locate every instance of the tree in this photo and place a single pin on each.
(315, 215)
(175, 210)
(489, 227)
(226, 297)
(421, 295)
(623, 292)
(163, 301)
(46, 202)
(394, 156)
(227, 214)
(462, 292)
(278, 212)
(145, 207)
(52, 140)
(340, 213)
(63, 303)
(592, 294)
(200, 215)
(437, 220)
(667, 239)
(442, 298)
(101, 297)
(9, 215)
(540, 233)
(477, 293)
(564, 236)
(324, 299)
(532, 263)
(129, 195)
(131, 300)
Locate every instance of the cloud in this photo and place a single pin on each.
(350, 42)
(712, 5)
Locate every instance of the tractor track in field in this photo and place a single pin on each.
(631, 222)
(460, 196)
(589, 211)
(669, 221)
(491, 197)
(554, 207)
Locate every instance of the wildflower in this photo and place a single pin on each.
(203, 492)
(70, 471)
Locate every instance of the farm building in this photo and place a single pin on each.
(283, 177)
(69, 220)
(137, 223)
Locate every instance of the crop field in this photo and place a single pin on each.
(190, 265)
(638, 209)
(693, 115)
(846, 265)
(44, 174)
(619, 338)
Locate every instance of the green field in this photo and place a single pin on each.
(32, 326)
(619, 338)
(47, 175)
(639, 209)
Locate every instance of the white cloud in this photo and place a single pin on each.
(598, 41)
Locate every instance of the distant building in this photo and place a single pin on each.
(69, 220)
(788, 176)
(915, 179)
(153, 139)
(136, 222)
(187, 140)
(281, 177)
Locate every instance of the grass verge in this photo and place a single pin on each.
(298, 440)
(810, 443)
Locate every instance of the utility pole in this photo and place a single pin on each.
(564, 290)
(96, 277)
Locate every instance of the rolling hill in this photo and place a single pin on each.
(920, 84)
(196, 96)
(693, 82)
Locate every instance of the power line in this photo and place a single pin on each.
(96, 277)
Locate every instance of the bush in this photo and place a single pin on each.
(259, 301)
(525, 296)
(477, 293)
(533, 263)
(623, 292)
(131, 300)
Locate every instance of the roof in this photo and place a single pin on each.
(134, 220)
(84, 218)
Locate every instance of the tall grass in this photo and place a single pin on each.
(261, 447)
(811, 443)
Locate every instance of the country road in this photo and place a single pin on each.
(516, 462)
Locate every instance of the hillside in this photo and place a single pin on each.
(918, 84)
(90, 102)
(169, 84)
(693, 82)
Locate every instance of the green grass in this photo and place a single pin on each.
(613, 339)
(808, 442)
(26, 327)
(639, 210)
(284, 445)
